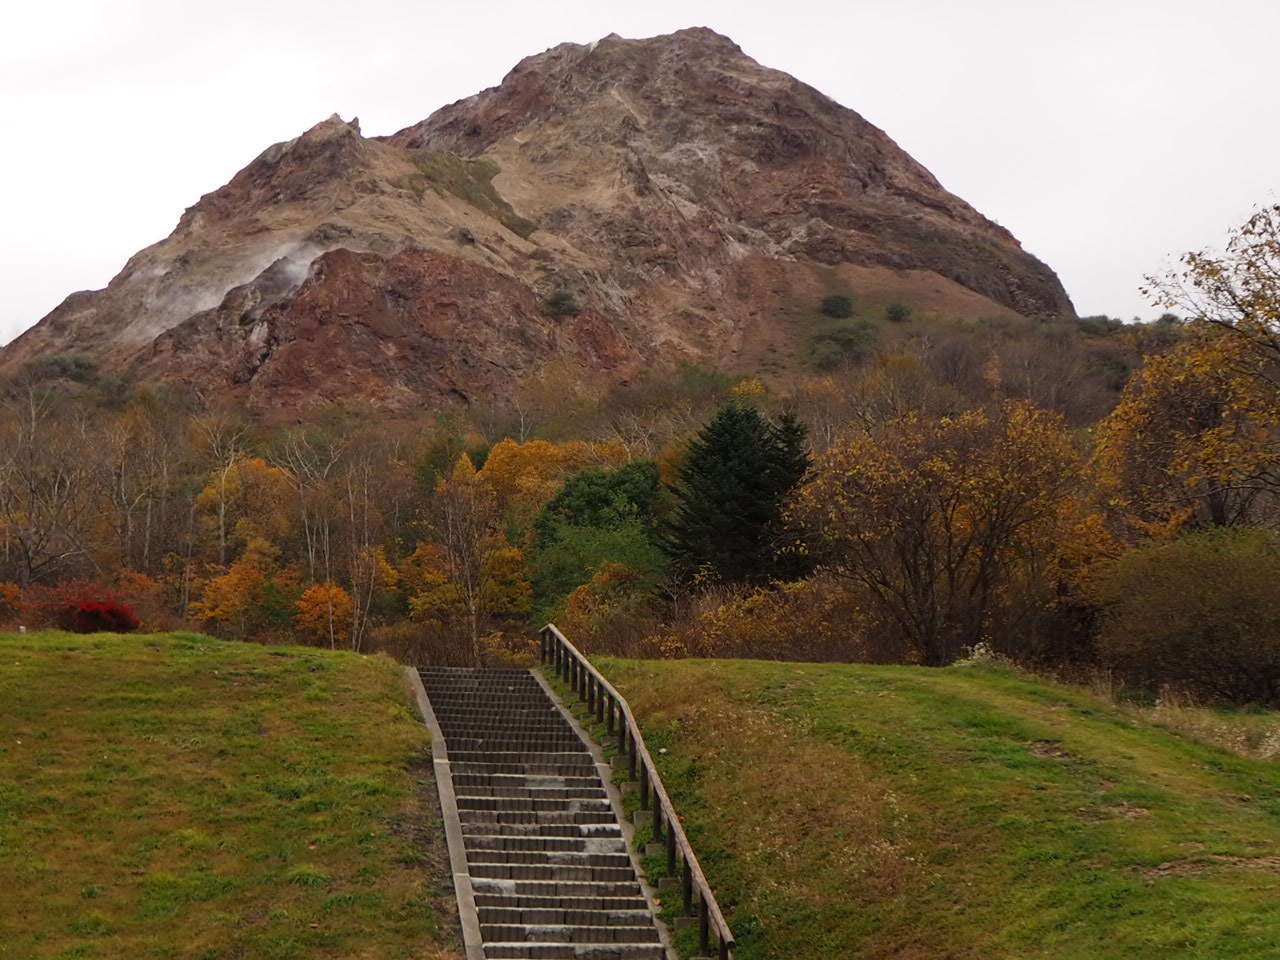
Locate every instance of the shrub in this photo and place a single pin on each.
(844, 343)
(610, 613)
(420, 644)
(1200, 613)
(838, 306)
(94, 616)
(897, 312)
(64, 366)
(562, 303)
(819, 619)
(1098, 326)
(81, 607)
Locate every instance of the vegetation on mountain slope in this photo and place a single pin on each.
(173, 795)
(967, 812)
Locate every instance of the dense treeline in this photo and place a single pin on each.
(1028, 487)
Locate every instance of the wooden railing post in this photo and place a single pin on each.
(671, 847)
(686, 884)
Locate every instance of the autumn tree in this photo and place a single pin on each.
(308, 460)
(50, 518)
(936, 519)
(255, 593)
(465, 521)
(1236, 293)
(246, 500)
(1195, 440)
(324, 614)
(224, 440)
(523, 476)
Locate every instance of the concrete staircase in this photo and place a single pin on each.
(550, 871)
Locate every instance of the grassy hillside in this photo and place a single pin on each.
(873, 812)
(172, 796)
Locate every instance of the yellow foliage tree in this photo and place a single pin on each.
(526, 475)
(468, 566)
(936, 519)
(245, 501)
(324, 614)
(1195, 439)
(435, 599)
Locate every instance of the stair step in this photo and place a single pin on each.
(592, 905)
(557, 888)
(534, 793)
(574, 951)
(525, 781)
(550, 857)
(518, 759)
(562, 933)
(560, 916)
(546, 844)
(591, 831)
(536, 804)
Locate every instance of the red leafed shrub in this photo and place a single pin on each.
(92, 616)
(82, 607)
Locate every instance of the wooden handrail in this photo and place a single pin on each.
(603, 701)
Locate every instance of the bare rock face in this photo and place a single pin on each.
(683, 195)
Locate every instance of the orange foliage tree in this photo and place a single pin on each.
(324, 614)
(254, 593)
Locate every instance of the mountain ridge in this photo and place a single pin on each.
(682, 198)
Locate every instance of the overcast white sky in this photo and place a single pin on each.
(1108, 136)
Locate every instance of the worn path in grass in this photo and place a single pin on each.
(897, 812)
(173, 796)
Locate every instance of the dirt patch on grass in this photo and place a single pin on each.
(1050, 750)
(1190, 868)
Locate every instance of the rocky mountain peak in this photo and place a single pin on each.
(676, 199)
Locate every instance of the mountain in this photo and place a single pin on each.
(618, 205)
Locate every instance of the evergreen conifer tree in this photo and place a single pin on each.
(729, 495)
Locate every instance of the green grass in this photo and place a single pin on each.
(172, 795)
(471, 180)
(873, 812)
